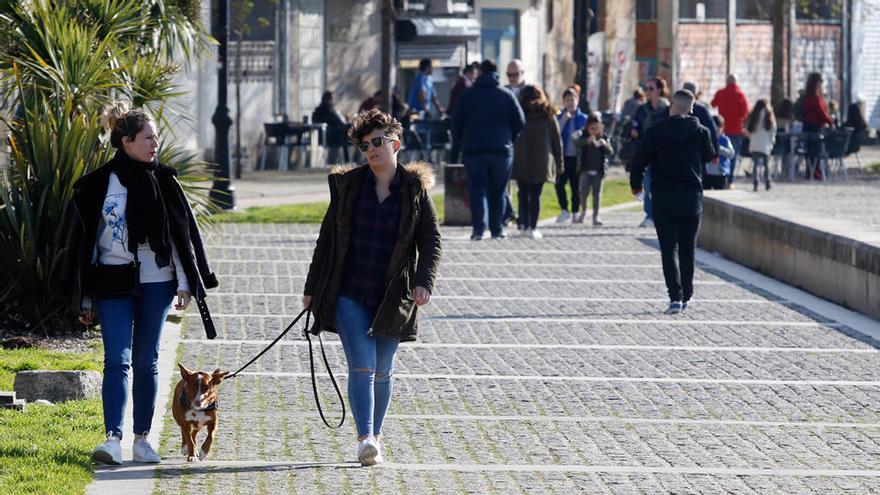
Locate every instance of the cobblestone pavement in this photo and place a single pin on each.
(542, 367)
(857, 199)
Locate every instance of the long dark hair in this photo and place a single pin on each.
(769, 118)
(533, 99)
(814, 84)
(785, 110)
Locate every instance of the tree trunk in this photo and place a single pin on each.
(777, 84)
(388, 18)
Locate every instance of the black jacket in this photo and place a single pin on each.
(676, 149)
(414, 261)
(487, 117)
(702, 113)
(88, 199)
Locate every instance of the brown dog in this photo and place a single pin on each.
(195, 407)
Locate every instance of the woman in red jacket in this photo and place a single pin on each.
(815, 111)
(815, 117)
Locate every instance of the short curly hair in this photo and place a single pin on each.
(370, 120)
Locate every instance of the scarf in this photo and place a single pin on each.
(145, 211)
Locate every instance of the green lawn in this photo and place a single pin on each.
(615, 191)
(47, 449)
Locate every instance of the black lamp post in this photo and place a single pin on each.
(222, 191)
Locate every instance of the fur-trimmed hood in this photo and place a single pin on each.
(421, 171)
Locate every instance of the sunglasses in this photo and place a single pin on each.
(649, 88)
(376, 142)
(514, 74)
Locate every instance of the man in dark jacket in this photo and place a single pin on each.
(486, 121)
(676, 148)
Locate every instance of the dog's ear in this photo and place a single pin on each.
(217, 376)
(184, 373)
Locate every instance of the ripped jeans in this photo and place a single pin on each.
(370, 365)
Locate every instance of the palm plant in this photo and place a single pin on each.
(61, 63)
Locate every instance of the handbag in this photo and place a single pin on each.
(113, 281)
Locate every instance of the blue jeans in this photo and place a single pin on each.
(130, 329)
(646, 190)
(370, 365)
(487, 177)
(737, 142)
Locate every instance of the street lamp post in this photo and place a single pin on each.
(222, 191)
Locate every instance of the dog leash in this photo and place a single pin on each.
(308, 313)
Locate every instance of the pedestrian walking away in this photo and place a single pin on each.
(466, 80)
(374, 265)
(593, 166)
(733, 106)
(487, 121)
(676, 149)
(134, 246)
(571, 120)
(537, 156)
(761, 126)
(652, 112)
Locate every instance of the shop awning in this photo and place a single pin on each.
(437, 29)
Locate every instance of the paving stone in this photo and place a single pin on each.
(578, 315)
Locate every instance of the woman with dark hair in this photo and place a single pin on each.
(134, 246)
(652, 112)
(815, 110)
(374, 265)
(761, 126)
(537, 156)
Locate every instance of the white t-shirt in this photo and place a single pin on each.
(112, 245)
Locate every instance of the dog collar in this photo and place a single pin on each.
(213, 406)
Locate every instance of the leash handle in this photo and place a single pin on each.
(329, 372)
(279, 337)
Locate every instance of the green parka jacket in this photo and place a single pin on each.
(414, 260)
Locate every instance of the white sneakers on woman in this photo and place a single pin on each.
(109, 452)
(142, 451)
(369, 451)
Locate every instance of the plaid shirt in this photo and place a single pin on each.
(374, 234)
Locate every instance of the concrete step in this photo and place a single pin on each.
(7, 398)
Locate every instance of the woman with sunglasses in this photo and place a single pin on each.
(374, 264)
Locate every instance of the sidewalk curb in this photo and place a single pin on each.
(131, 478)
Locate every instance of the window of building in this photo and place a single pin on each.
(499, 35)
(819, 10)
(707, 10)
(646, 10)
(754, 10)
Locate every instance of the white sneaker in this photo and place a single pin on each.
(565, 215)
(109, 452)
(367, 452)
(142, 451)
(534, 234)
(379, 458)
(578, 218)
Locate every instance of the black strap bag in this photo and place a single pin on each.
(113, 281)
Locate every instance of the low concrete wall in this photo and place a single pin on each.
(832, 258)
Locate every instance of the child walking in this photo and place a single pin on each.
(761, 126)
(594, 164)
(717, 171)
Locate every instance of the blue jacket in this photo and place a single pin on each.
(487, 117)
(573, 124)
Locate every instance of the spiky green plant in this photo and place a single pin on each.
(61, 63)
